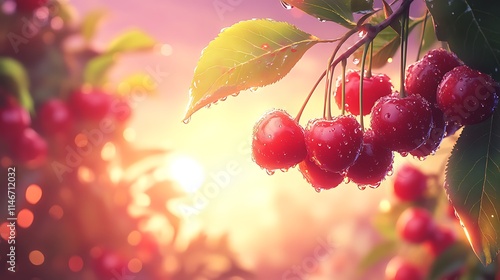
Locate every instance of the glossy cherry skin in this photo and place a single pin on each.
(415, 225)
(403, 124)
(373, 163)
(55, 117)
(318, 178)
(90, 106)
(438, 131)
(440, 240)
(14, 119)
(410, 184)
(278, 141)
(30, 149)
(334, 144)
(424, 76)
(29, 5)
(467, 96)
(374, 87)
(400, 269)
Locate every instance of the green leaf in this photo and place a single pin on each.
(361, 6)
(14, 78)
(249, 54)
(95, 72)
(473, 185)
(451, 260)
(132, 40)
(471, 29)
(386, 44)
(429, 36)
(91, 22)
(137, 82)
(338, 11)
(377, 254)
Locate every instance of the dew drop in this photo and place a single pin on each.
(355, 61)
(265, 46)
(318, 190)
(361, 187)
(321, 20)
(387, 115)
(390, 172)
(284, 170)
(286, 5)
(347, 180)
(186, 121)
(404, 154)
(270, 172)
(375, 186)
(254, 89)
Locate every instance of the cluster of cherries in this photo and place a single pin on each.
(57, 122)
(441, 95)
(417, 226)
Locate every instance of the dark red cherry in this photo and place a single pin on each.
(278, 141)
(403, 124)
(29, 5)
(30, 149)
(92, 106)
(436, 135)
(55, 117)
(318, 178)
(410, 184)
(415, 225)
(334, 144)
(440, 240)
(374, 87)
(14, 119)
(400, 269)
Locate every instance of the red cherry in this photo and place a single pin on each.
(30, 148)
(374, 87)
(410, 183)
(335, 144)
(423, 76)
(403, 124)
(467, 96)
(440, 239)
(415, 225)
(373, 163)
(278, 141)
(29, 6)
(55, 117)
(400, 269)
(320, 179)
(14, 119)
(451, 128)
(436, 135)
(121, 110)
(93, 106)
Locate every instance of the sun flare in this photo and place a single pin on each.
(187, 172)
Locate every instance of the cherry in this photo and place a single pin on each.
(415, 225)
(121, 110)
(93, 106)
(320, 179)
(55, 117)
(400, 269)
(410, 183)
(451, 128)
(29, 5)
(14, 119)
(30, 148)
(373, 163)
(467, 96)
(436, 135)
(423, 76)
(278, 141)
(403, 124)
(440, 239)
(334, 144)
(374, 87)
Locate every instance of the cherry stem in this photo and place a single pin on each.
(361, 81)
(344, 64)
(422, 34)
(404, 49)
(369, 71)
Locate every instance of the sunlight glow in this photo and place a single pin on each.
(187, 172)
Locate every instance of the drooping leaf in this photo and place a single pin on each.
(452, 259)
(473, 185)
(95, 72)
(91, 23)
(361, 6)
(471, 29)
(14, 78)
(132, 40)
(386, 44)
(249, 54)
(338, 11)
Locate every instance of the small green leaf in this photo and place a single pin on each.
(14, 78)
(451, 260)
(95, 72)
(132, 40)
(473, 185)
(91, 23)
(249, 54)
(471, 30)
(361, 6)
(338, 11)
(141, 82)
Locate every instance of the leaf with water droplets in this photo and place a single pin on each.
(473, 185)
(247, 55)
(339, 11)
